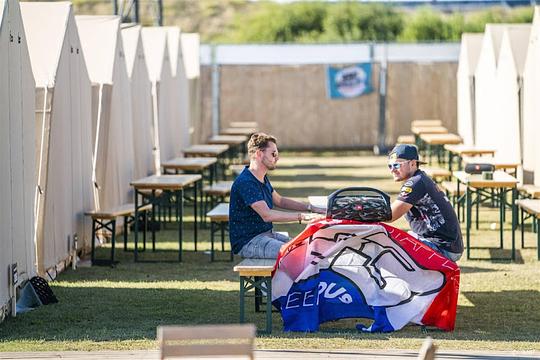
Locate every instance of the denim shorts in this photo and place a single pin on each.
(264, 246)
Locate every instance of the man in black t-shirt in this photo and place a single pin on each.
(427, 209)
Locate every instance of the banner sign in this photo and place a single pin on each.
(348, 82)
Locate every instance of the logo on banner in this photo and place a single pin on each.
(349, 82)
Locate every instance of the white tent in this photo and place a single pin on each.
(180, 105)
(191, 50)
(17, 146)
(112, 112)
(141, 96)
(506, 129)
(64, 156)
(485, 84)
(531, 105)
(468, 58)
(156, 52)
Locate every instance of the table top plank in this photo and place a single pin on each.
(207, 150)
(238, 131)
(165, 182)
(227, 139)
(426, 122)
(189, 163)
(501, 179)
(441, 139)
(243, 124)
(419, 130)
(468, 150)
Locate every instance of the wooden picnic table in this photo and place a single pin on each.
(238, 131)
(475, 183)
(436, 173)
(436, 142)
(243, 124)
(460, 150)
(205, 150)
(228, 139)
(170, 183)
(419, 130)
(426, 123)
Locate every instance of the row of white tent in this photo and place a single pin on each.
(88, 104)
(499, 93)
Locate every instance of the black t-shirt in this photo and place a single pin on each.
(432, 216)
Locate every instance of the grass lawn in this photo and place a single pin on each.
(102, 308)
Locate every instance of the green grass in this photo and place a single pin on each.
(102, 308)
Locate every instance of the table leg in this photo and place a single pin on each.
(136, 227)
(268, 305)
(501, 217)
(195, 195)
(180, 219)
(514, 219)
(468, 220)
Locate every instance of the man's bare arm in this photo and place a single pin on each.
(399, 208)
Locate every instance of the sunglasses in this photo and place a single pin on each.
(396, 165)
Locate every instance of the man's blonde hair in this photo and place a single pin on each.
(259, 141)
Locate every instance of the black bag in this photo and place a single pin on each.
(478, 168)
(43, 290)
(360, 204)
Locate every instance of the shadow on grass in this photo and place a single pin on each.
(475, 270)
(500, 316)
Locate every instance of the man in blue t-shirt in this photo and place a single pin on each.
(427, 209)
(253, 198)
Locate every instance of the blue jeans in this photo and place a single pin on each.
(264, 246)
(447, 254)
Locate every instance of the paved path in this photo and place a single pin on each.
(280, 354)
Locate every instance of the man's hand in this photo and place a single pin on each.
(312, 216)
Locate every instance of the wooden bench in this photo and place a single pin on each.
(219, 220)
(406, 139)
(206, 340)
(106, 220)
(532, 208)
(529, 191)
(437, 174)
(256, 275)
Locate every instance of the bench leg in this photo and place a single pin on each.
(212, 231)
(268, 305)
(195, 189)
(113, 240)
(93, 253)
(242, 299)
(522, 226)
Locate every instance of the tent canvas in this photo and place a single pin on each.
(191, 51)
(141, 101)
(531, 105)
(180, 104)
(485, 82)
(506, 132)
(156, 52)
(17, 181)
(468, 59)
(112, 111)
(63, 150)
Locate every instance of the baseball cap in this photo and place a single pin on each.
(406, 152)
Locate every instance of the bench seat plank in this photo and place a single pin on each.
(122, 210)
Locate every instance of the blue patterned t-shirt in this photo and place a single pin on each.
(244, 222)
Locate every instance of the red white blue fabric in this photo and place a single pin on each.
(339, 269)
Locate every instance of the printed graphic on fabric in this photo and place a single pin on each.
(427, 217)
